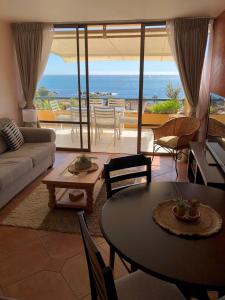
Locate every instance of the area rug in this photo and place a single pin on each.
(33, 212)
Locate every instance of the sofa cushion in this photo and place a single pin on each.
(13, 168)
(12, 135)
(4, 121)
(3, 145)
(36, 151)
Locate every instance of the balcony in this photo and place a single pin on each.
(68, 134)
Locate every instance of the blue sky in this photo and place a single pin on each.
(56, 66)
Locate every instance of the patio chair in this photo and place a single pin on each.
(135, 286)
(58, 112)
(122, 163)
(106, 118)
(117, 103)
(62, 117)
(175, 135)
(95, 102)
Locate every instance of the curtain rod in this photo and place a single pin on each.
(124, 22)
(147, 22)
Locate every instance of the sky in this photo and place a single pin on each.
(56, 66)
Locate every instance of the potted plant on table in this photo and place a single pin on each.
(83, 163)
(181, 206)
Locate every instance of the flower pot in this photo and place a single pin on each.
(180, 210)
(82, 165)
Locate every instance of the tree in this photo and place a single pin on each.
(173, 92)
(43, 92)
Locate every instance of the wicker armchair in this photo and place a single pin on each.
(216, 128)
(175, 135)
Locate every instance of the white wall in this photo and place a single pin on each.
(8, 82)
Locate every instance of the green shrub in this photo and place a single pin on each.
(42, 104)
(212, 110)
(166, 107)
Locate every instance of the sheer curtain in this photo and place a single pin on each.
(32, 43)
(188, 38)
(203, 103)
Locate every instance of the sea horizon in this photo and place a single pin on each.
(120, 86)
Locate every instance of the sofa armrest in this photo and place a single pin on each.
(37, 135)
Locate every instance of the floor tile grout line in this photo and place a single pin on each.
(71, 287)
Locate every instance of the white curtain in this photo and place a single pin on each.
(203, 104)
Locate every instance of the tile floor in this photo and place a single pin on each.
(41, 265)
(67, 139)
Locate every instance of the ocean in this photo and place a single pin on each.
(120, 86)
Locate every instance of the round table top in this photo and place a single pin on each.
(128, 226)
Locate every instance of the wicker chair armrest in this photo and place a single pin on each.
(164, 130)
(185, 139)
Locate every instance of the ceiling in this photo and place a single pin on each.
(105, 10)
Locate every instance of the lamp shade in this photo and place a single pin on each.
(29, 115)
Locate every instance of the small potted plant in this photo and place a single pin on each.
(193, 207)
(180, 208)
(83, 163)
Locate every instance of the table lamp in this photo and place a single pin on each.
(29, 117)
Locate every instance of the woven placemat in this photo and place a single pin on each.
(208, 224)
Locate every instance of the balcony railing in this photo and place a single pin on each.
(154, 111)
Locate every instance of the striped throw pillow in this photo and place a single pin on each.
(12, 135)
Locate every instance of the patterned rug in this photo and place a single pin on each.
(33, 212)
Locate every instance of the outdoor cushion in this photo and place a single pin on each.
(36, 151)
(168, 141)
(12, 169)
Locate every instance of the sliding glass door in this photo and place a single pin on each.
(62, 97)
(160, 90)
(128, 67)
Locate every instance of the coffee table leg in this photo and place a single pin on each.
(52, 196)
(90, 199)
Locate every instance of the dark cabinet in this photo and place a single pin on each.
(200, 170)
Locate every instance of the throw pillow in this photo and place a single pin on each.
(12, 135)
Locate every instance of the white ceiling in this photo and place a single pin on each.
(106, 10)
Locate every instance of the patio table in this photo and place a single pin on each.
(194, 265)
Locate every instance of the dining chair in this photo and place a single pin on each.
(135, 286)
(95, 102)
(116, 102)
(119, 103)
(122, 163)
(106, 117)
(125, 163)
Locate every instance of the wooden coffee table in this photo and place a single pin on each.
(60, 182)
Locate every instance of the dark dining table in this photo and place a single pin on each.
(195, 265)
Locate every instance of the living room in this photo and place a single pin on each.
(112, 150)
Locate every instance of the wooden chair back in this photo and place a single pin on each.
(126, 162)
(100, 276)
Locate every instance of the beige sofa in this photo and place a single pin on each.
(19, 168)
